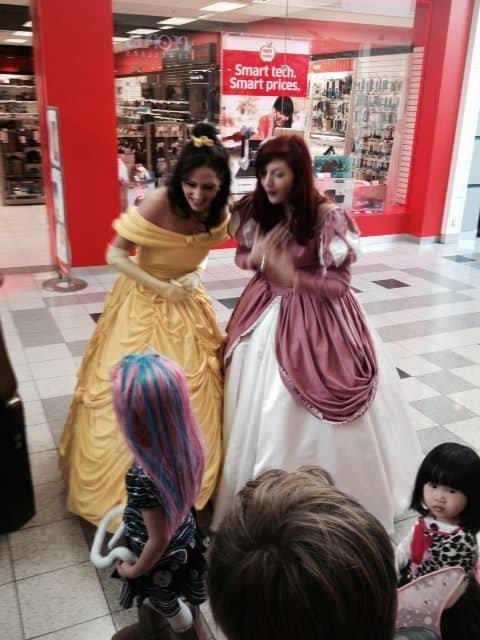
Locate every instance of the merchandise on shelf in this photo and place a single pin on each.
(375, 115)
(330, 103)
(153, 144)
(21, 161)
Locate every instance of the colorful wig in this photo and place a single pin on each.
(153, 408)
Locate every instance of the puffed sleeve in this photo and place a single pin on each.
(135, 228)
(338, 240)
(242, 229)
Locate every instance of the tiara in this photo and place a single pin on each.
(202, 141)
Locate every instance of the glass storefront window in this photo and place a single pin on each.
(344, 75)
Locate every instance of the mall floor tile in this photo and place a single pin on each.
(426, 309)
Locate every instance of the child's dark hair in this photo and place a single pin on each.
(453, 465)
(193, 157)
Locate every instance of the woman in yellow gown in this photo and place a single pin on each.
(159, 303)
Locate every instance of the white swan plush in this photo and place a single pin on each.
(118, 553)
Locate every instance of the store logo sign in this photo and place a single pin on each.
(267, 52)
(164, 42)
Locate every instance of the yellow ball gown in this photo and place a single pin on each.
(93, 454)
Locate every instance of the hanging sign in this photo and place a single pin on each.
(264, 66)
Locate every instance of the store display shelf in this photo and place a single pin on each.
(183, 112)
(17, 116)
(34, 199)
(26, 178)
(16, 86)
(318, 133)
(376, 93)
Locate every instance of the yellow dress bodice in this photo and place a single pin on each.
(163, 253)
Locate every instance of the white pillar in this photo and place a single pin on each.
(465, 137)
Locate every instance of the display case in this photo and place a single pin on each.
(377, 102)
(154, 144)
(21, 160)
(167, 138)
(330, 96)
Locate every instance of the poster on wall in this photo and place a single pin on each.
(54, 137)
(264, 85)
(60, 226)
(62, 244)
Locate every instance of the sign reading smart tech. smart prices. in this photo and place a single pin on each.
(264, 68)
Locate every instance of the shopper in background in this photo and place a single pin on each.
(281, 116)
(302, 366)
(296, 558)
(157, 302)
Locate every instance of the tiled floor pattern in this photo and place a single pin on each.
(423, 300)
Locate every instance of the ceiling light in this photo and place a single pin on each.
(27, 24)
(176, 21)
(142, 32)
(223, 6)
(120, 39)
(16, 40)
(24, 34)
(204, 16)
(166, 27)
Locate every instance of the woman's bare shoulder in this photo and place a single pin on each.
(155, 207)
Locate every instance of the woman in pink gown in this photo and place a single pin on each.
(307, 380)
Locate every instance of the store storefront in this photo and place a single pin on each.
(374, 90)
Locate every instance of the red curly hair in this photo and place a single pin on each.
(304, 197)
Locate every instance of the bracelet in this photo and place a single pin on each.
(262, 263)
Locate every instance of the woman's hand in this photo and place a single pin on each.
(127, 570)
(189, 282)
(266, 244)
(175, 292)
(280, 268)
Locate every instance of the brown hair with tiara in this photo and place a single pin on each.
(297, 558)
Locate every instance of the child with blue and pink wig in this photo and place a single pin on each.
(154, 412)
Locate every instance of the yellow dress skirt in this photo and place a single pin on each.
(93, 454)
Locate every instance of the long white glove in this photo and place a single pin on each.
(171, 290)
(191, 281)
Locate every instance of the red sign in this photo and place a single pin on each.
(248, 73)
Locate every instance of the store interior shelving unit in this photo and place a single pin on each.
(21, 166)
(330, 95)
(149, 130)
(378, 102)
(156, 110)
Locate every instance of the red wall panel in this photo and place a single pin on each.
(75, 74)
(444, 65)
